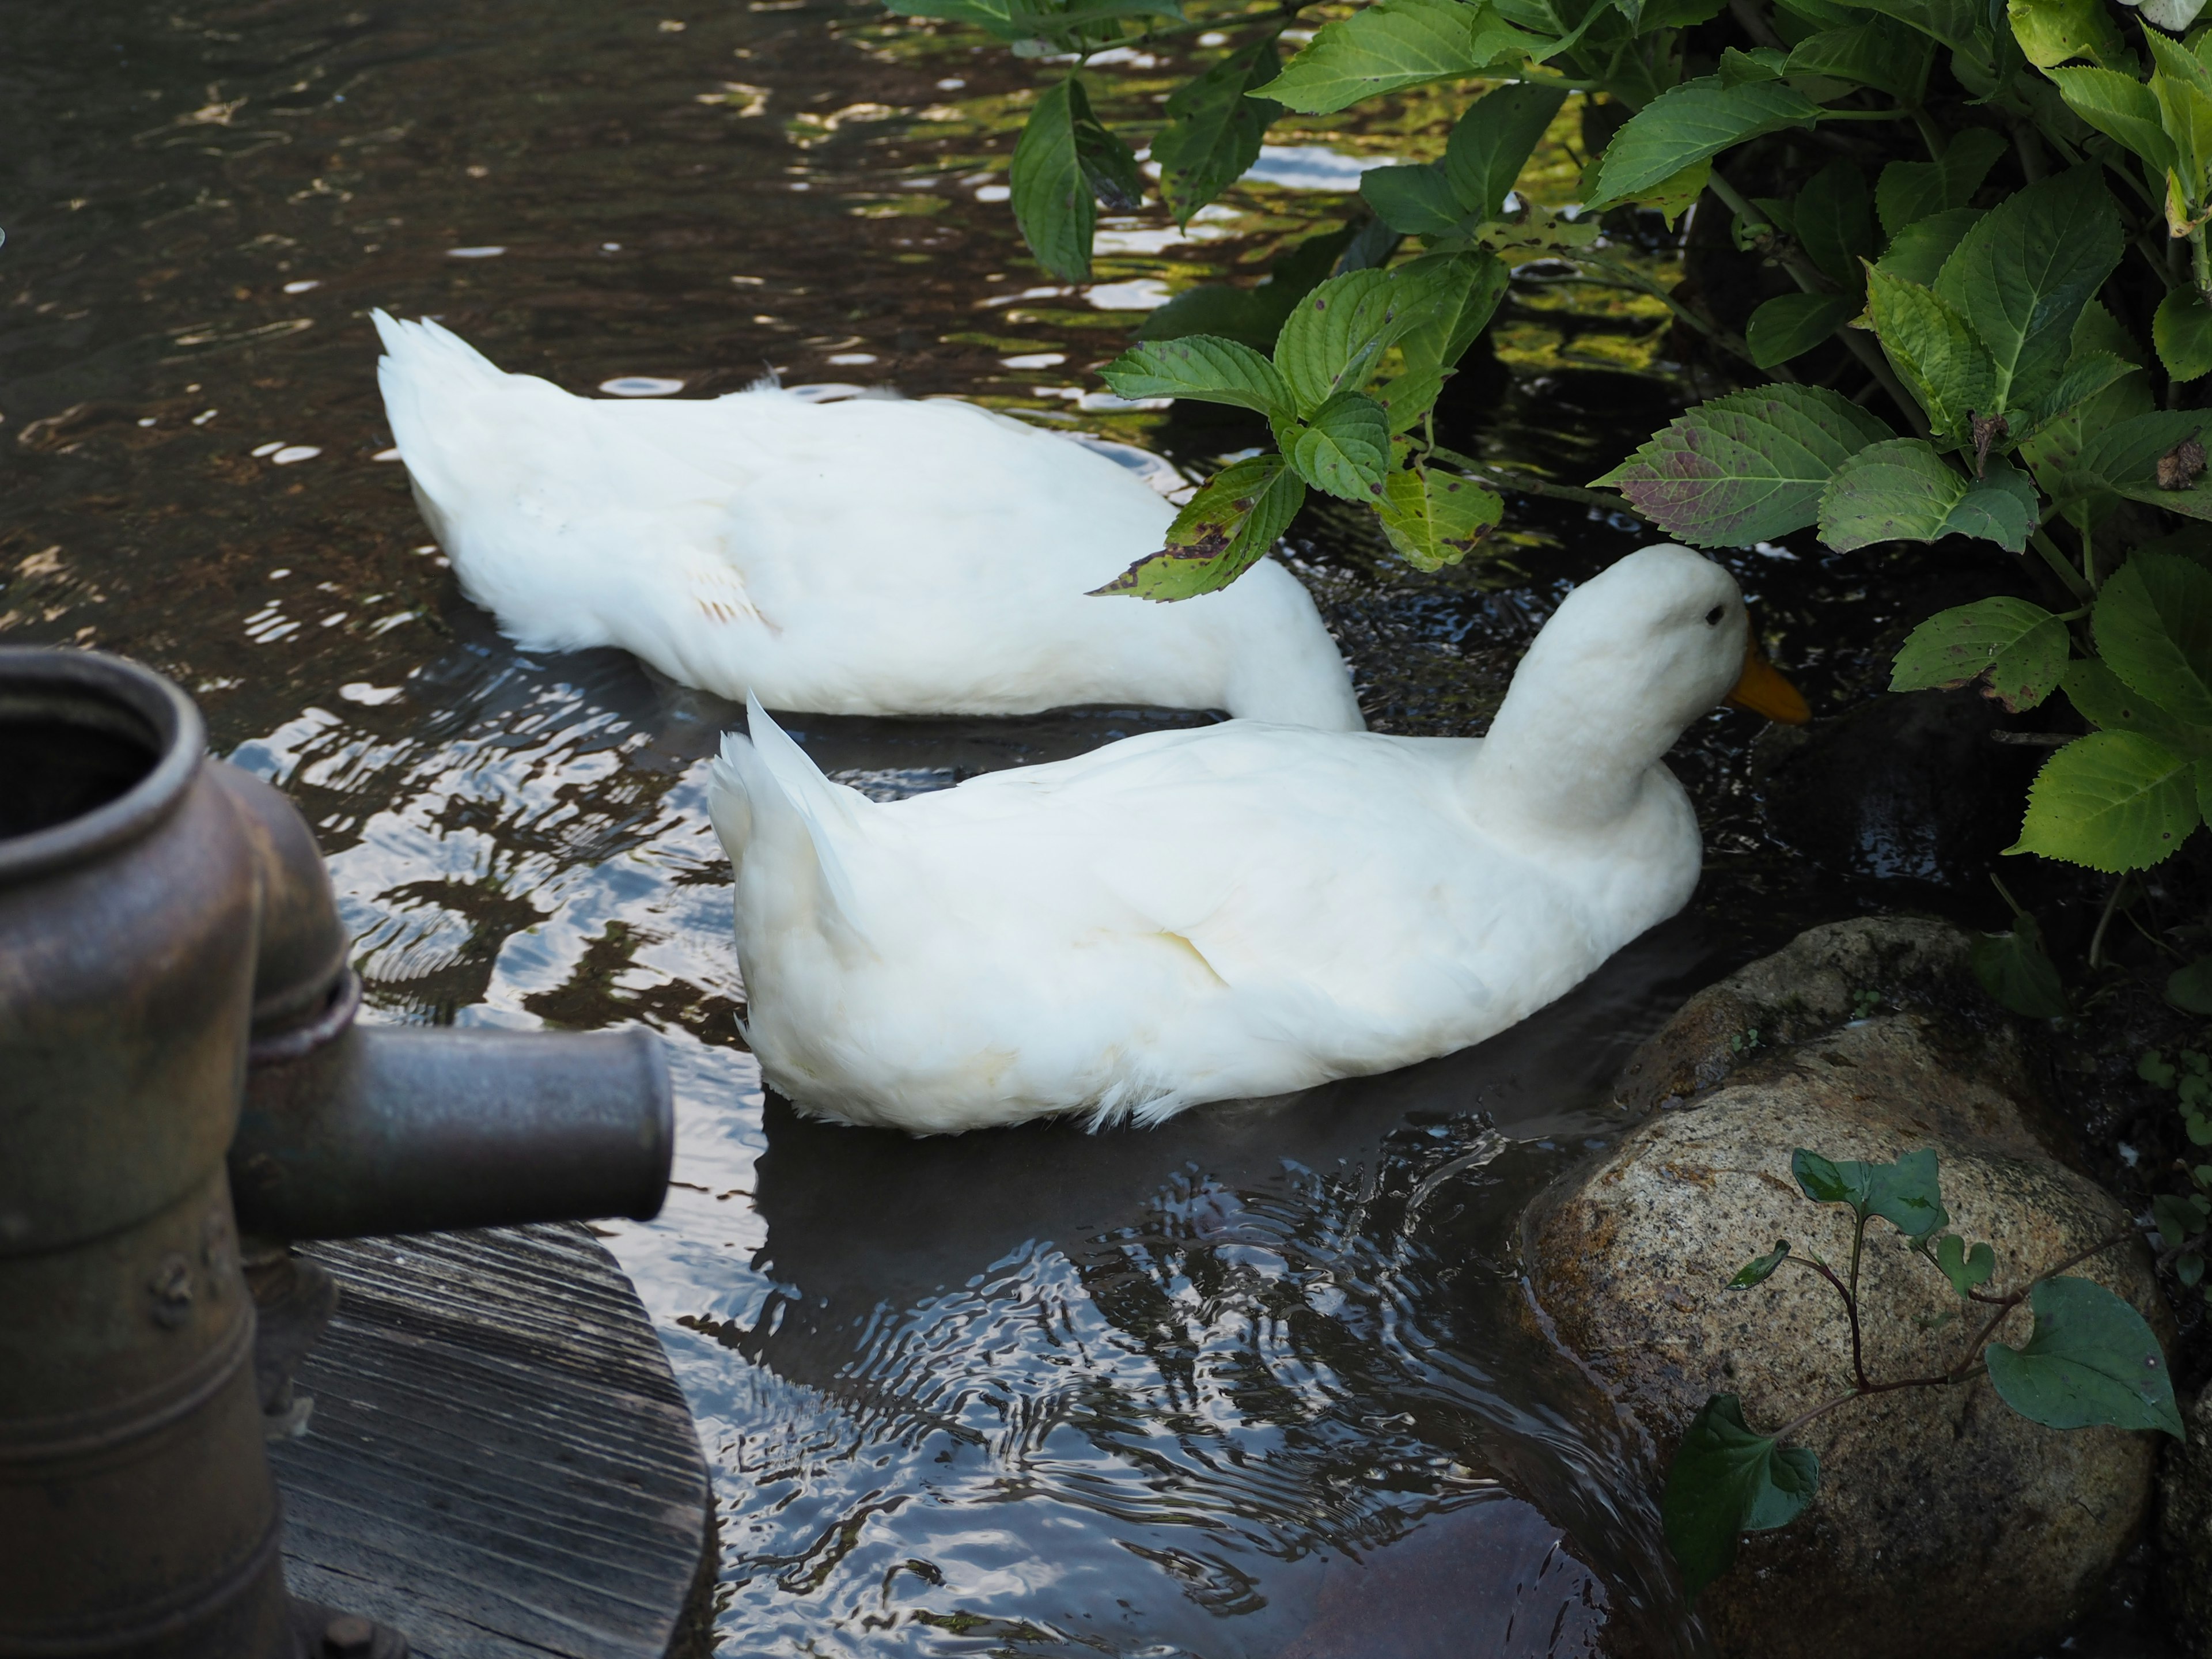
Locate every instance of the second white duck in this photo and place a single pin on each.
(1236, 910)
(867, 556)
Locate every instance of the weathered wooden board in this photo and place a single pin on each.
(499, 1462)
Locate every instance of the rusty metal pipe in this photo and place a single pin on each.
(405, 1129)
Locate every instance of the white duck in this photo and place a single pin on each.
(1236, 910)
(870, 556)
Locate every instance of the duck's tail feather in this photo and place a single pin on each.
(769, 800)
(433, 382)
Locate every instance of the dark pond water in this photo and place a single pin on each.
(1260, 1383)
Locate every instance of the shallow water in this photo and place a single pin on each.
(1261, 1381)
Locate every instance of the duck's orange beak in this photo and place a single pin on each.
(1764, 691)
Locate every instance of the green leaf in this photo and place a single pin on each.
(2121, 461)
(2153, 629)
(2098, 696)
(1904, 1194)
(1213, 131)
(1491, 143)
(2183, 333)
(2091, 1362)
(1903, 491)
(1021, 20)
(1250, 316)
(1334, 338)
(1433, 518)
(1833, 216)
(2179, 1219)
(2113, 800)
(1109, 165)
(2184, 91)
(1464, 289)
(1934, 349)
(1746, 468)
(1760, 1268)
(1967, 1269)
(1879, 53)
(2022, 276)
(1908, 191)
(2014, 968)
(2190, 988)
(1694, 122)
(1393, 44)
(1345, 447)
(2052, 32)
(1917, 253)
(1228, 527)
(1051, 195)
(2085, 375)
(2121, 107)
(1416, 200)
(1725, 1480)
(2020, 647)
(1198, 366)
(1791, 325)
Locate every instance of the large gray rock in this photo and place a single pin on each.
(1944, 1523)
(2185, 1530)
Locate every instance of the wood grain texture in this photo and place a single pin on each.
(499, 1462)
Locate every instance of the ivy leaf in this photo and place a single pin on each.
(1434, 520)
(2021, 274)
(1834, 217)
(1051, 195)
(1335, 336)
(1200, 366)
(1902, 490)
(1934, 349)
(2121, 107)
(1904, 1194)
(1213, 131)
(2099, 697)
(1724, 1481)
(1967, 1270)
(1791, 325)
(1491, 143)
(2153, 629)
(2019, 649)
(1908, 191)
(2091, 1362)
(1760, 1268)
(1228, 526)
(1393, 44)
(1747, 467)
(2015, 969)
(2182, 331)
(1880, 53)
(1345, 448)
(1694, 122)
(2113, 800)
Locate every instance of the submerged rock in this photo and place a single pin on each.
(1945, 1523)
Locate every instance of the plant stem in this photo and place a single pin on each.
(1851, 1310)
(2009, 1302)
(2040, 538)
(2105, 921)
(1529, 484)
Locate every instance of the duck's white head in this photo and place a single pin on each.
(1630, 658)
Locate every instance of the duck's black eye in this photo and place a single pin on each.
(1713, 616)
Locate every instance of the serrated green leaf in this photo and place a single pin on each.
(1109, 165)
(2182, 331)
(1538, 233)
(1908, 191)
(1902, 490)
(1214, 131)
(2183, 89)
(1228, 526)
(1433, 518)
(1250, 316)
(1051, 197)
(2153, 629)
(1760, 1268)
(1917, 253)
(1879, 53)
(1746, 468)
(2085, 375)
(1967, 1269)
(1493, 141)
(1416, 200)
(1933, 350)
(2020, 647)
(1791, 325)
(1393, 44)
(1200, 366)
(1334, 338)
(1833, 216)
(2121, 107)
(1344, 447)
(2054, 32)
(1725, 1481)
(1694, 122)
(2120, 460)
(2099, 697)
(1464, 289)
(2113, 800)
(2091, 1362)
(2021, 274)
(2014, 968)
